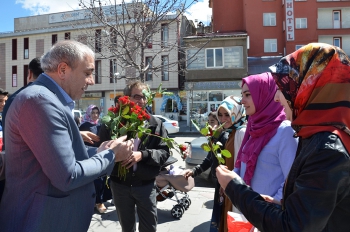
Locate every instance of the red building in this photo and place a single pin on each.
(279, 27)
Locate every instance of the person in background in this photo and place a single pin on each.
(268, 148)
(49, 171)
(315, 82)
(233, 117)
(211, 162)
(91, 123)
(138, 187)
(3, 99)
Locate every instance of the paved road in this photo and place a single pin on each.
(196, 218)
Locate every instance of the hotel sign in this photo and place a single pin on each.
(289, 20)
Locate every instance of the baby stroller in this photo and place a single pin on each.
(170, 182)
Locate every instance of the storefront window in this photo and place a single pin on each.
(200, 96)
(215, 96)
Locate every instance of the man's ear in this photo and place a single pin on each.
(62, 70)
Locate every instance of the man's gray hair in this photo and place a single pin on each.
(68, 51)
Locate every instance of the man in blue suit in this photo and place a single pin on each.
(49, 172)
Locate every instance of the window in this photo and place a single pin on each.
(337, 41)
(98, 41)
(301, 23)
(53, 39)
(165, 35)
(112, 69)
(214, 57)
(232, 58)
(269, 19)
(165, 68)
(113, 36)
(98, 72)
(25, 74)
(26, 48)
(270, 45)
(149, 38)
(14, 76)
(149, 71)
(14, 49)
(298, 46)
(336, 19)
(67, 36)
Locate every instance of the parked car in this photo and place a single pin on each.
(78, 113)
(196, 155)
(171, 126)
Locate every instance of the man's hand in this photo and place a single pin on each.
(187, 173)
(89, 137)
(121, 147)
(133, 159)
(270, 199)
(224, 175)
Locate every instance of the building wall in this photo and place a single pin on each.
(40, 31)
(248, 16)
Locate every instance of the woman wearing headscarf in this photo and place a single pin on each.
(315, 81)
(211, 161)
(91, 123)
(233, 117)
(268, 148)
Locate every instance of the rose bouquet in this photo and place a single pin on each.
(213, 145)
(126, 119)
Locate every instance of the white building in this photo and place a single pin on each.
(34, 35)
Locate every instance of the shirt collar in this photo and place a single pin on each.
(67, 98)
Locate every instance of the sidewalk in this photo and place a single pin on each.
(195, 219)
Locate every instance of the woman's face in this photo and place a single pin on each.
(247, 100)
(95, 114)
(212, 121)
(224, 118)
(279, 97)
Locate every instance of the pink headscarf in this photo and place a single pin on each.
(263, 124)
(87, 115)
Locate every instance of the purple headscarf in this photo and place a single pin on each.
(87, 116)
(263, 124)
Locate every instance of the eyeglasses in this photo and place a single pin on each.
(138, 97)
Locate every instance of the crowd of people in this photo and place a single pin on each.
(288, 134)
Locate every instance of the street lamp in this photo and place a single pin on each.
(115, 75)
(190, 86)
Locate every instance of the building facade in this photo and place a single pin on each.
(279, 27)
(33, 36)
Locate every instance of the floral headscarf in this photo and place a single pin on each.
(263, 124)
(87, 116)
(315, 80)
(234, 108)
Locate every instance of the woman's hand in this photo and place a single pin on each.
(89, 137)
(187, 173)
(224, 175)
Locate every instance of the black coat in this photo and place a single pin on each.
(316, 194)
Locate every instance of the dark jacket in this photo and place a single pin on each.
(211, 160)
(316, 194)
(155, 153)
(94, 128)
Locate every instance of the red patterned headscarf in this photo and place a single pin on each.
(263, 124)
(315, 80)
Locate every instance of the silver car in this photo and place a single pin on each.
(196, 155)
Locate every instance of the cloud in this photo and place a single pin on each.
(48, 6)
(200, 11)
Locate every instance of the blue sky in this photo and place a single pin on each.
(23, 8)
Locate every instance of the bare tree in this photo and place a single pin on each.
(136, 34)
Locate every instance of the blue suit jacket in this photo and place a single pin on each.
(49, 171)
